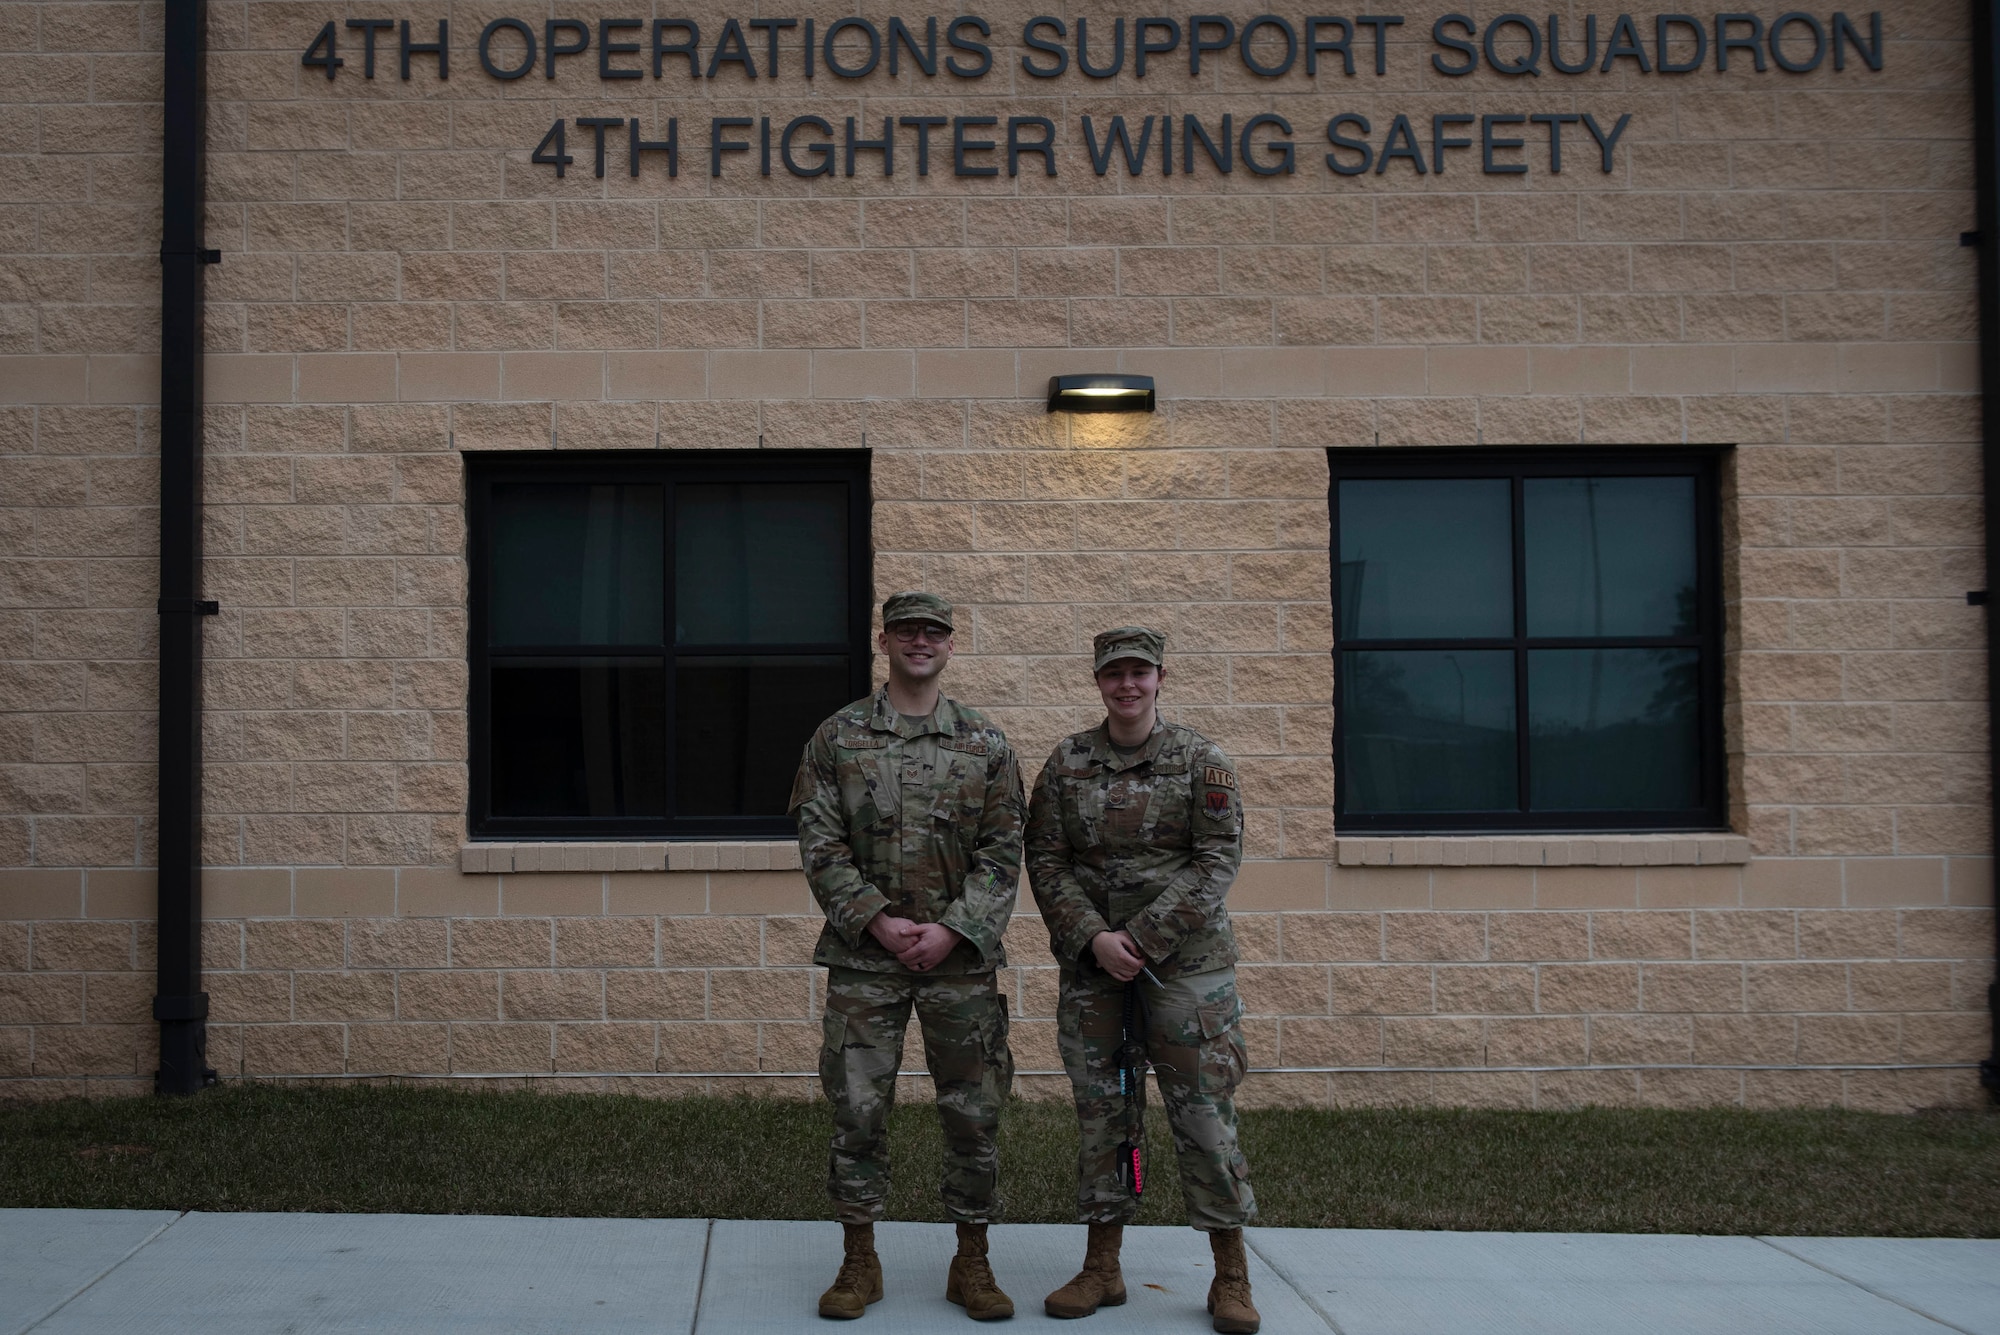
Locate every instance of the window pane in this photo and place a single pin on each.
(1610, 555)
(576, 564)
(740, 724)
(1428, 730)
(760, 563)
(579, 737)
(1614, 729)
(1426, 559)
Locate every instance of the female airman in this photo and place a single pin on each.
(1134, 836)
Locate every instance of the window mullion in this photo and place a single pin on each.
(670, 639)
(479, 723)
(1520, 558)
(1709, 626)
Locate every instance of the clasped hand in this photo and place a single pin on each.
(920, 946)
(1118, 954)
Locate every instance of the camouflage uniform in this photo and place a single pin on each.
(923, 820)
(1148, 842)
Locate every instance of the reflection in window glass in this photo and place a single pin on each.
(1428, 730)
(1426, 559)
(760, 563)
(1610, 555)
(1613, 729)
(580, 737)
(740, 724)
(575, 564)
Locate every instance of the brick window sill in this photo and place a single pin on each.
(1615, 850)
(1604, 850)
(733, 855)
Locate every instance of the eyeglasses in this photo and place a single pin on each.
(909, 632)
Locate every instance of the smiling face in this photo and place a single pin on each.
(1131, 690)
(917, 650)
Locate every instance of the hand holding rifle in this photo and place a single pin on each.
(1118, 954)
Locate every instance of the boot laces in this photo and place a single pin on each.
(853, 1272)
(976, 1275)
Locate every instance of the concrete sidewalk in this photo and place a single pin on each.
(105, 1271)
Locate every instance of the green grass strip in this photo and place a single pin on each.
(442, 1151)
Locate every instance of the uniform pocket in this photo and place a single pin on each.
(1069, 1036)
(832, 1056)
(1220, 1016)
(999, 1054)
(1222, 1059)
(960, 822)
(858, 796)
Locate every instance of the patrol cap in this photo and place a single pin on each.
(912, 606)
(1148, 646)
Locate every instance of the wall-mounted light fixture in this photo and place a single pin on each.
(1101, 394)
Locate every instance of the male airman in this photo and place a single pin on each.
(910, 815)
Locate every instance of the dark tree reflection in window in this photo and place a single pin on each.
(1609, 555)
(1430, 730)
(1613, 729)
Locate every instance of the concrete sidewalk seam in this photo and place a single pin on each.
(101, 1275)
(701, 1278)
(1865, 1288)
(1251, 1242)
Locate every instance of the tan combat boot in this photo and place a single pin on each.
(1099, 1284)
(971, 1284)
(1229, 1294)
(859, 1282)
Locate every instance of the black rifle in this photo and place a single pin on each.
(1132, 1084)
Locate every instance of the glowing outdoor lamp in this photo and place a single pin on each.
(1101, 394)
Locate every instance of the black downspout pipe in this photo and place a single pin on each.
(179, 1004)
(1986, 117)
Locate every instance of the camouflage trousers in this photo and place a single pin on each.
(964, 1021)
(1193, 1034)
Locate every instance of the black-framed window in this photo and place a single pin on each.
(654, 636)
(1527, 640)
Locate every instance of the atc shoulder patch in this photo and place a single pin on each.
(1217, 777)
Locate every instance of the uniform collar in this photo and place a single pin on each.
(1102, 752)
(885, 718)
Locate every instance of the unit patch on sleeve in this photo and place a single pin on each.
(1217, 777)
(1218, 803)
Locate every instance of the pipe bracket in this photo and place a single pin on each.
(181, 1008)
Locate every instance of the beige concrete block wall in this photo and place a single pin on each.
(1773, 265)
(1512, 987)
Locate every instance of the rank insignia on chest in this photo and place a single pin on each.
(1218, 804)
(1217, 777)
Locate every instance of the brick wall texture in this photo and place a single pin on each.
(1773, 264)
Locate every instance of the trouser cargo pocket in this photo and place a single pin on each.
(1222, 1059)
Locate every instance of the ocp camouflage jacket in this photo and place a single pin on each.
(923, 820)
(1149, 842)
